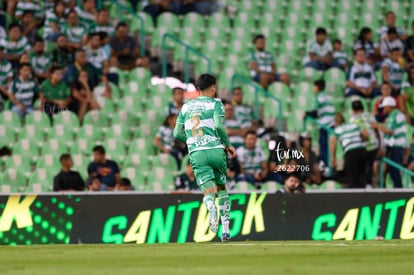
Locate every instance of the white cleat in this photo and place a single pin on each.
(213, 222)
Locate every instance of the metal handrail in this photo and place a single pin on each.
(258, 89)
(188, 49)
(330, 132)
(407, 173)
(140, 19)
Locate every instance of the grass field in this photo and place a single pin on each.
(306, 257)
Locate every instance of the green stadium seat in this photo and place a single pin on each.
(8, 118)
(218, 37)
(61, 132)
(125, 118)
(13, 180)
(165, 160)
(268, 19)
(161, 174)
(329, 185)
(55, 146)
(66, 118)
(184, 161)
(19, 162)
(320, 19)
(49, 162)
(309, 74)
(41, 180)
(136, 177)
(115, 149)
(270, 187)
(80, 164)
(33, 132)
(107, 105)
(170, 21)
(158, 36)
(90, 132)
(146, 130)
(141, 146)
(281, 91)
(154, 116)
(142, 76)
(26, 147)
(220, 21)
(118, 131)
(244, 186)
(245, 20)
(190, 36)
(148, 24)
(194, 19)
(138, 159)
(305, 89)
(131, 104)
(96, 118)
(39, 119)
(7, 136)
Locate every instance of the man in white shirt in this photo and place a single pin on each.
(319, 51)
(390, 41)
(361, 78)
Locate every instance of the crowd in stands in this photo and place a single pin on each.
(59, 56)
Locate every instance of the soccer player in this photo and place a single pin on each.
(201, 125)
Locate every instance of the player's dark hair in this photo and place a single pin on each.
(15, 25)
(320, 83)
(121, 24)
(70, 12)
(92, 34)
(321, 30)
(54, 69)
(64, 157)
(26, 12)
(103, 10)
(388, 13)
(225, 102)
(357, 50)
(250, 132)
(38, 39)
(357, 105)
(99, 149)
(205, 81)
(257, 37)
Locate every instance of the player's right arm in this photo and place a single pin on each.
(179, 130)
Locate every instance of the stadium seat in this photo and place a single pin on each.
(165, 160)
(141, 76)
(19, 162)
(61, 132)
(55, 146)
(244, 186)
(107, 105)
(170, 21)
(80, 164)
(139, 160)
(136, 177)
(7, 136)
(39, 119)
(90, 132)
(118, 131)
(40, 180)
(13, 180)
(148, 24)
(125, 118)
(162, 175)
(309, 74)
(66, 118)
(329, 185)
(26, 147)
(115, 149)
(219, 20)
(8, 118)
(131, 104)
(96, 118)
(194, 19)
(142, 146)
(270, 187)
(49, 162)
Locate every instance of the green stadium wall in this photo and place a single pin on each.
(163, 218)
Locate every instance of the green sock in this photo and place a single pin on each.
(209, 201)
(224, 207)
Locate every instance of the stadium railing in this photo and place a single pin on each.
(330, 133)
(188, 49)
(258, 89)
(141, 21)
(407, 173)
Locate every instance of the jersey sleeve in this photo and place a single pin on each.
(219, 123)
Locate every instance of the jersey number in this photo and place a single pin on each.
(196, 122)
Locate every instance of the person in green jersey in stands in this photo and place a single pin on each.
(201, 125)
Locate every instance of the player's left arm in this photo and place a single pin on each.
(179, 131)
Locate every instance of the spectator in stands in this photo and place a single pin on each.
(252, 161)
(96, 55)
(14, 45)
(389, 42)
(124, 47)
(363, 120)
(262, 64)
(395, 133)
(29, 27)
(68, 180)
(81, 96)
(62, 56)
(106, 170)
(372, 51)
(234, 128)
(309, 168)
(156, 7)
(164, 139)
(392, 71)
(23, 91)
(293, 184)
(390, 20)
(181, 7)
(407, 96)
(28, 5)
(103, 25)
(74, 31)
(94, 184)
(351, 137)
(385, 92)
(125, 185)
(55, 94)
(340, 60)
(6, 76)
(409, 48)
(324, 111)
(82, 64)
(55, 21)
(243, 113)
(177, 102)
(40, 61)
(361, 77)
(206, 7)
(87, 13)
(319, 51)
(186, 181)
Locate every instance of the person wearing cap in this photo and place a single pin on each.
(351, 137)
(395, 136)
(364, 120)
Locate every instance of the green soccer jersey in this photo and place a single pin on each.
(74, 33)
(397, 123)
(166, 135)
(5, 72)
(349, 136)
(17, 47)
(96, 28)
(87, 19)
(199, 117)
(244, 114)
(40, 63)
(364, 121)
(58, 92)
(325, 108)
(24, 91)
